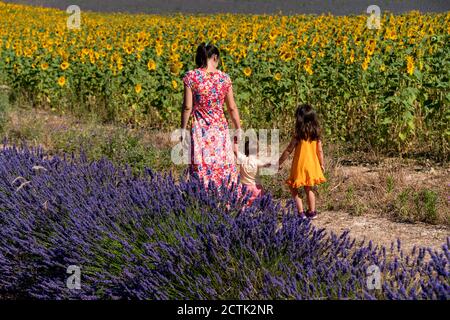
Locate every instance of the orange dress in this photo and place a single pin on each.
(305, 170)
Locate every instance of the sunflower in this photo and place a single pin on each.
(62, 81)
(365, 64)
(138, 88)
(286, 56)
(64, 65)
(247, 71)
(308, 66)
(277, 76)
(175, 67)
(174, 84)
(352, 56)
(390, 34)
(410, 65)
(151, 65)
(159, 50)
(44, 66)
(273, 35)
(370, 47)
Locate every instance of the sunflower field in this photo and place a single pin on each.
(385, 89)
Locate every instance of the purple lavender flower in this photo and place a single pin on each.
(149, 237)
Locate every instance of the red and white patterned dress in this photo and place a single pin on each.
(212, 157)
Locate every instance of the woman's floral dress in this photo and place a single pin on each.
(212, 158)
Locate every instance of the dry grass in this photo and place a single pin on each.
(393, 189)
(59, 134)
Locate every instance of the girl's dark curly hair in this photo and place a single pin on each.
(306, 124)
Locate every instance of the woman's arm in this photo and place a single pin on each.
(186, 108)
(232, 109)
(320, 154)
(287, 151)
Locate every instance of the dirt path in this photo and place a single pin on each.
(383, 231)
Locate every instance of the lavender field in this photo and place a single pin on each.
(149, 237)
(336, 7)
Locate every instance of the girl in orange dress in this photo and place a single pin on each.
(307, 166)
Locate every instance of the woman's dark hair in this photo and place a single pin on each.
(306, 124)
(204, 52)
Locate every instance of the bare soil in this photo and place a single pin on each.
(383, 231)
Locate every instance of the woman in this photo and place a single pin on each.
(206, 89)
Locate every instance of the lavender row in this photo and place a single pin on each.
(150, 237)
